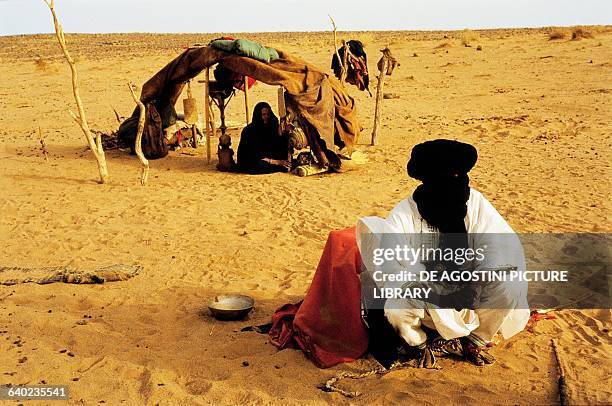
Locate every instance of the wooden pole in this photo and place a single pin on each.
(213, 129)
(207, 113)
(344, 62)
(282, 109)
(379, 99)
(246, 99)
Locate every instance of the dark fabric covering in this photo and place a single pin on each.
(357, 72)
(154, 144)
(258, 141)
(306, 86)
(228, 78)
(442, 166)
(327, 324)
(384, 341)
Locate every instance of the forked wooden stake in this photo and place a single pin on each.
(95, 143)
(344, 61)
(144, 174)
(379, 99)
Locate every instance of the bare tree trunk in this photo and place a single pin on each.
(95, 143)
(144, 174)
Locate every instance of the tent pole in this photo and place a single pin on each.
(207, 125)
(213, 129)
(379, 98)
(246, 99)
(282, 109)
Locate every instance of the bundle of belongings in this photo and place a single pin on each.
(326, 113)
(357, 65)
(164, 131)
(160, 114)
(339, 320)
(242, 47)
(245, 47)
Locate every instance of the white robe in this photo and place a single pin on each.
(503, 307)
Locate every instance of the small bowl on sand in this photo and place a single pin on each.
(231, 307)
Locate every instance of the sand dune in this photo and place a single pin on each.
(537, 110)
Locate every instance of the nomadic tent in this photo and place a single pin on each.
(324, 110)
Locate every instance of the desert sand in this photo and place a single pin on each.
(538, 112)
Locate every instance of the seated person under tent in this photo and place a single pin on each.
(463, 321)
(263, 147)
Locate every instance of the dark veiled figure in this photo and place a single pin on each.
(263, 149)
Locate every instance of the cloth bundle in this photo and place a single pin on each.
(245, 47)
(357, 61)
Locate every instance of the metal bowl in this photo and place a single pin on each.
(231, 307)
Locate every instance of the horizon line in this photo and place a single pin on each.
(309, 31)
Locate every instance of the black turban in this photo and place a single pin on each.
(441, 159)
(442, 166)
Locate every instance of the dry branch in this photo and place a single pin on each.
(43, 145)
(95, 143)
(144, 175)
(342, 65)
(116, 115)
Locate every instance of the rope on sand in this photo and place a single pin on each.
(12, 275)
(563, 398)
(331, 384)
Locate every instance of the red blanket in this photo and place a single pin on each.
(327, 324)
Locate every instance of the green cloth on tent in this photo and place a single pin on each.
(227, 45)
(248, 48)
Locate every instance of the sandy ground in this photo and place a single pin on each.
(537, 110)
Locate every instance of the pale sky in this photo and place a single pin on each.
(227, 16)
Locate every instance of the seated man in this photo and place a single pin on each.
(459, 317)
(263, 149)
(446, 211)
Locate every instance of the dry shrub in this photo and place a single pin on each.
(443, 45)
(579, 33)
(41, 64)
(467, 37)
(557, 34)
